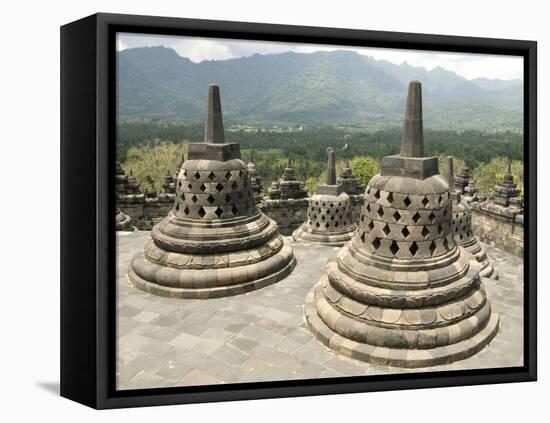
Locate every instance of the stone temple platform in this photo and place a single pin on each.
(262, 335)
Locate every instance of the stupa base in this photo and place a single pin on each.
(480, 254)
(123, 222)
(332, 239)
(488, 272)
(408, 358)
(210, 283)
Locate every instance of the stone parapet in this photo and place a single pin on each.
(289, 213)
(500, 227)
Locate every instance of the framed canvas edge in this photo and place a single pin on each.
(106, 26)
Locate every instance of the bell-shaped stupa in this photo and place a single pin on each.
(215, 242)
(329, 215)
(462, 227)
(402, 292)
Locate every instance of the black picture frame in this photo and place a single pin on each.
(88, 207)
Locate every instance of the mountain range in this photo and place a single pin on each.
(338, 87)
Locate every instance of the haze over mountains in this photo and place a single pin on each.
(337, 87)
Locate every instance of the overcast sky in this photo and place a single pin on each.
(198, 49)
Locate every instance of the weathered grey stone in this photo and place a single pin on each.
(499, 220)
(462, 227)
(123, 221)
(245, 317)
(214, 242)
(213, 132)
(255, 181)
(403, 291)
(412, 144)
(329, 216)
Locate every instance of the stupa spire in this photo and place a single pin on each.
(450, 173)
(412, 140)
(213, 132)
(331, 167)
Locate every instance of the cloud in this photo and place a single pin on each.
(198, 49)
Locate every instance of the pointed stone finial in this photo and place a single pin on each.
(289, 162)
(213, 132)
(508, 177)
(331, 167)
(450, 172)
(412, 141)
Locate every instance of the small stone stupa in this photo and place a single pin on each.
(350, 184)
(462, 179)
(506, 193)
(462, 227)
(353, 187)
(215, 242)
(402, 292)
(329, 215)
(289, 185)
(274, 191)
(470, 192)
(256, 182)
(123, 222)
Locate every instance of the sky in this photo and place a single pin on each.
(197, 49)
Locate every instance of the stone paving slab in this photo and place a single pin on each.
(262, 335)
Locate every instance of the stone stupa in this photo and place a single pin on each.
(289, 185)
(350, 184)
(462, 227)
(123, 222)
(462, 179)
(470, 192)
(402, 292)
(256, 181)
(329, 215)
(506, 193)
(353, 187)
(215, 242)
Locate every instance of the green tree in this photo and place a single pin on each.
(364, 168)
(487, 175)
(154, 161)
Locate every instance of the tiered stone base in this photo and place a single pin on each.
(216, 275)
(123, 221)
(480, 254)
(336, 239)
(398, 357)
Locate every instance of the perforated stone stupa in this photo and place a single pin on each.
(462, 227)
(215, 242)
(402, 292)
(329, 215)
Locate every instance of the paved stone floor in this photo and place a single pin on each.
(262, 335)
